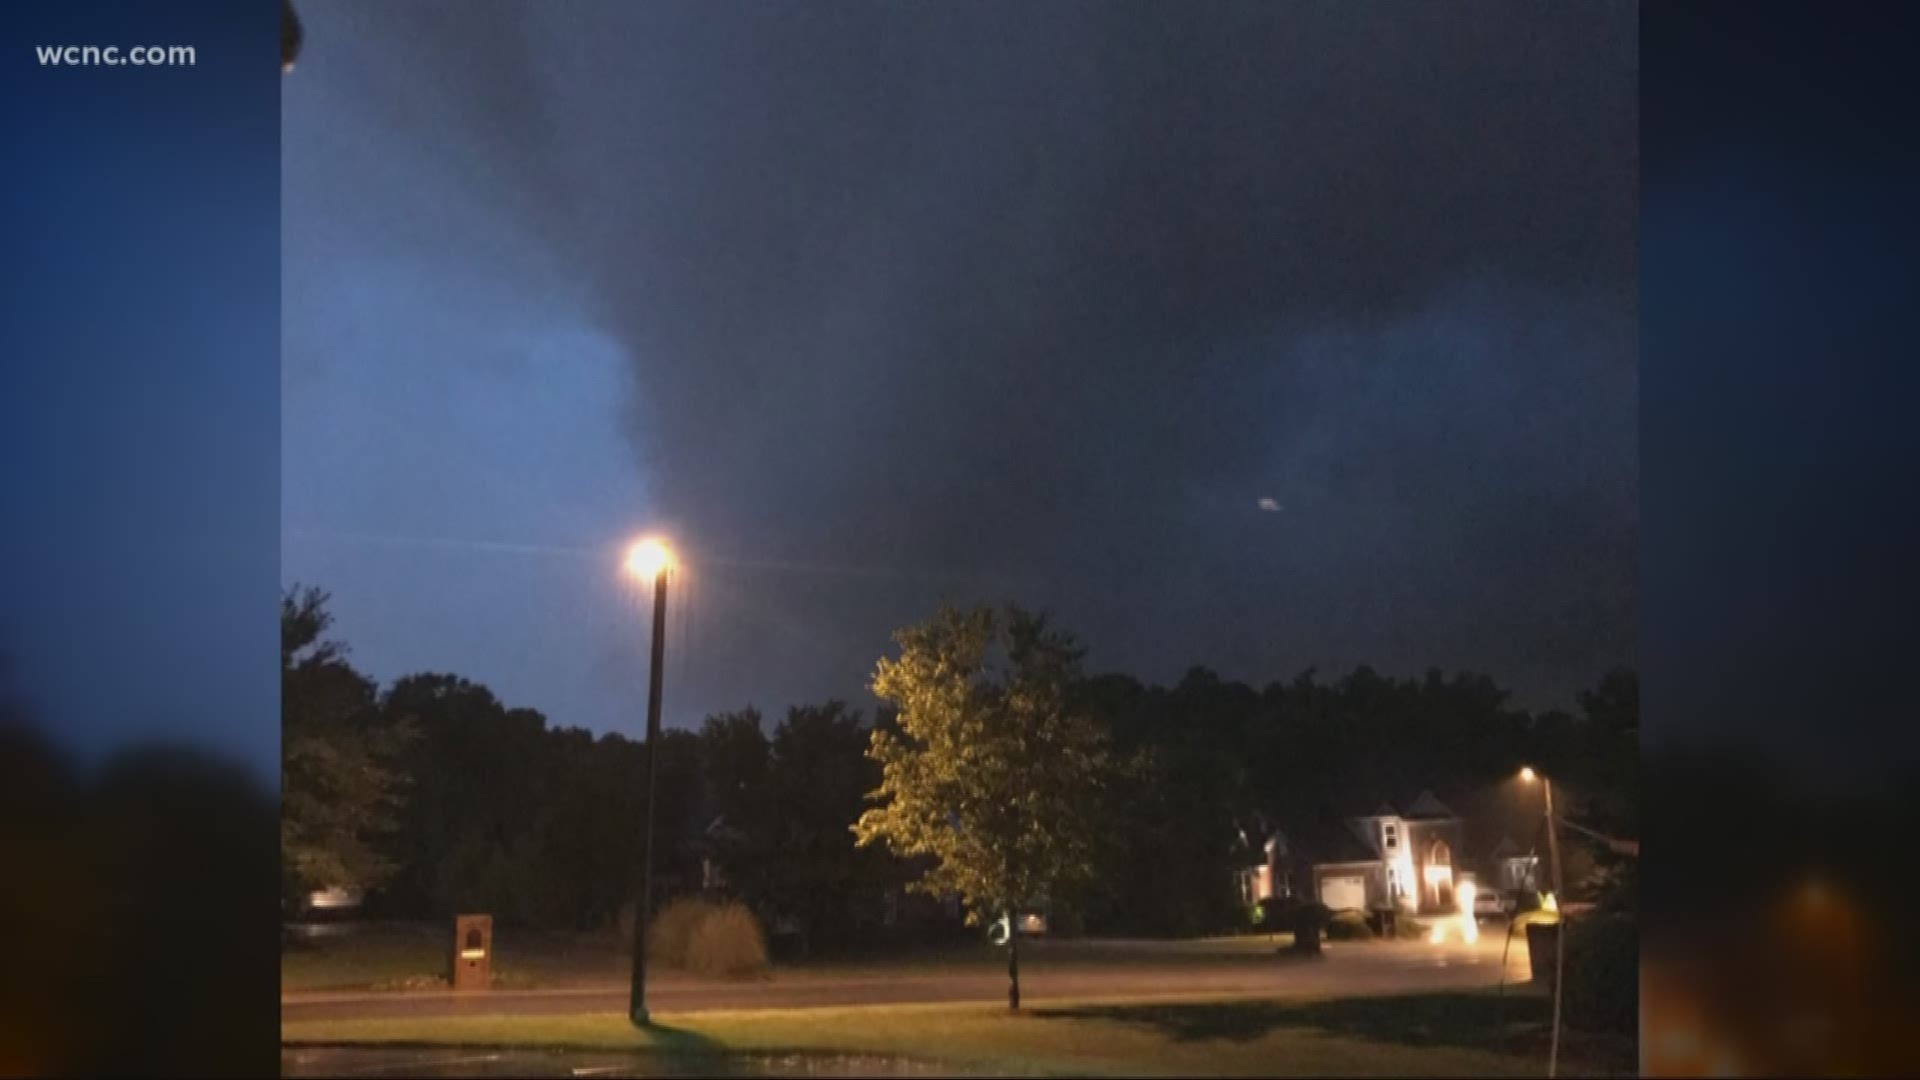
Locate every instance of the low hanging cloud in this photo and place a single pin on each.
(997, 301)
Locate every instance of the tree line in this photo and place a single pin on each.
(994, 770)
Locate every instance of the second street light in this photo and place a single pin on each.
(1560, 922)
(649, 561)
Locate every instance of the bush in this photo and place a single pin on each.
(707, 938)
(1273, 916)
(1406, 929)
(670, 930)
(727, 941)
(1349, 926)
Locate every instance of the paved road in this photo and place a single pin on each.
(337, 1061)
(1132, 970)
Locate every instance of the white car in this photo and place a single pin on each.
(1491, 903)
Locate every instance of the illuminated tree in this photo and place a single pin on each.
(992, 772)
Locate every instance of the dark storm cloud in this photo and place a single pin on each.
(1036, 302)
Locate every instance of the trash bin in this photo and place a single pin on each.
(1307, 925)
(472, 959)
(1541, 941)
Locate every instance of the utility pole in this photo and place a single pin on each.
(649, 559)
(1559, 931)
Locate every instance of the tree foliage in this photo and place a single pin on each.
(993, 773)
(540, 826)
(783, 804)
(998, 773)
(340, 789)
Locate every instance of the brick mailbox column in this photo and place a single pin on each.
(472, 952)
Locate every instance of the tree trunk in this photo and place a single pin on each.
(1013, 965)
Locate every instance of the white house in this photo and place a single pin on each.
(1393, 860)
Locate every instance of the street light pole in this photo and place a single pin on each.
(1560, 920)
(1559, 930)
(649, 559)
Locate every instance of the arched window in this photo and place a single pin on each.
(1439, 875)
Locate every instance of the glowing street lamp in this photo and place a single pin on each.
(1560, 927)
(649, 560)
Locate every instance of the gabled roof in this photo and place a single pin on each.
(1361, 829)
(1428, 808)
(1507, 849)
(1339, 841)
(1353, 839)
(1424, 807)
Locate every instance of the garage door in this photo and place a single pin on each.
(1344, 892)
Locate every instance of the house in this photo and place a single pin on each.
(1265, 866)
(1392, 859)
(715, 839)
(1514, 869)
(334, 899)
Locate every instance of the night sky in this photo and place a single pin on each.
(1258, 336)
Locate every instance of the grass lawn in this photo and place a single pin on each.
(400, 957)
(1457, 1034)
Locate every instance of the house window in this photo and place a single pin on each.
(1520, 873)
(1391, 832)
